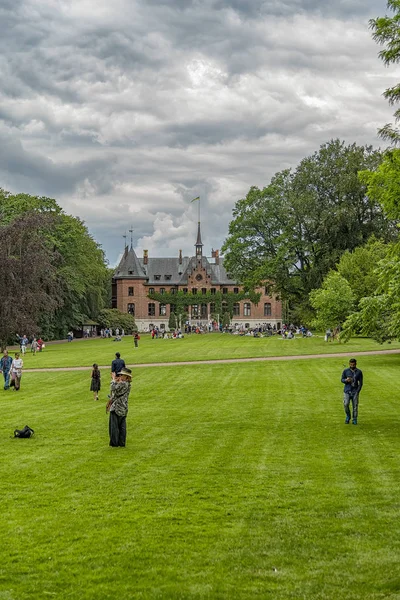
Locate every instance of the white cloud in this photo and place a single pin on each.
(124, 111)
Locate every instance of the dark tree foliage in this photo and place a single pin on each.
(85, 282)
(28, 276)
(295, 230)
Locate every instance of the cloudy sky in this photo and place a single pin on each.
(124, 111)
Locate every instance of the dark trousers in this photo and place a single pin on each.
(117, 429)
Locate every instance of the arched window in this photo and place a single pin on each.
(267, 309)
(131, 309)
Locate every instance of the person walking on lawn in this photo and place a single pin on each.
(117, 365)
(353, 382)
(5, 366)
(95, 384)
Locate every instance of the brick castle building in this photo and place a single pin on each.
(149, 288)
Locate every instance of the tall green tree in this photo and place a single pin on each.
(29, 283)
(84, 279)
(386, 31)
(378, 315)
(295, 230)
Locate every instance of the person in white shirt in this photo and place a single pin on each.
(16, 372)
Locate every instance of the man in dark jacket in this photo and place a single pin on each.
(117, 365)
(5, 367)
(353, 382)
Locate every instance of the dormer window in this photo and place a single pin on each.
(168, 277)
(157, 277)
(130, 272)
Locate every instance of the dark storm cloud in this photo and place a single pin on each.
(127, 110)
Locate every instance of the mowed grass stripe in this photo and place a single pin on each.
(238, 481)
(192, 348)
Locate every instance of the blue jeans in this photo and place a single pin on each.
(6, 375)
(353, 397)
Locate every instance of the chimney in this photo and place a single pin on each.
(216, 256)
(145, 257)
(180, 257)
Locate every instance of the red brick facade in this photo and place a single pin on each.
(134, 279)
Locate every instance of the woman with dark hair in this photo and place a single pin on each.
(95, 384)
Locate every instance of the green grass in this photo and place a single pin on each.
(192, 347)
(238, 481)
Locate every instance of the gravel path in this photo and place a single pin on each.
(222, 361)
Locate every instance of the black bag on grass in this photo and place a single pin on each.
(26, 432)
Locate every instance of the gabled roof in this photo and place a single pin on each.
(169, 271)
(129, 266)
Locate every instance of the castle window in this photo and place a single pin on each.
(194, 291)
(267, 290)
(151, 290)
(163, 310)
(167, 277)
(236, 309)
(235, 290)
(267, 309)
(204, 291)
(157, 277)
(224, 290)
(247, 309)
(130, 291)
(213, 290)
(195, 311)
(151, 309)
(162, 290)
(173, 290)
(131, 309)
(185, 290)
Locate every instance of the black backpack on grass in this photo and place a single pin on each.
(26, 432)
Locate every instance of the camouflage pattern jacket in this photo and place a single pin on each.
(120, 391)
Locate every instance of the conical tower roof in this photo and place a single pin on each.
(129, 265)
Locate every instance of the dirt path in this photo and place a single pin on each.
(222, 361)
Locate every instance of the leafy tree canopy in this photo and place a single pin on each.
(83, 277)
(386, 31)
(295, 230)
(333, 302)
(29, 283)
(359, 267)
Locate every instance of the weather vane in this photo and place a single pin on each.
(131, 232)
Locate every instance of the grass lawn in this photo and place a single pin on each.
(192, 347)
(238, 481)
